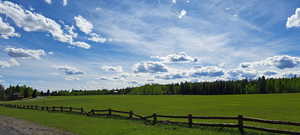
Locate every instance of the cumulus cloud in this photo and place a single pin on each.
(7, 31)
(10, 63)
(181, 57)
(209, 71)
(237, 74)
(281, 62)
(65, 2)
(30, 21)
(150, 67)
(96, 38)
(25, 53)
(71, 78)
(174, 1)
(270, 73)
(112, 68)
(294, 20)
(48, 1)
(181, 14)
(67, 70)
(83, 24)
(172, 76)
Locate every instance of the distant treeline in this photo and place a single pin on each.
(259, 86)
(17, 92)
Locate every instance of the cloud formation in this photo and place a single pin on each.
(209, 71)
(96, 38)
(25, 53)
(112, 68)
(7, 31)
(67, 70)
(281, 62)
(150, 67)
(294, 20)
(30, 21)
(10, 63)
(182, 13)
(83, 24)
(181, 57)
(48, 1)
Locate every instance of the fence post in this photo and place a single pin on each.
(190, 120)
(61, 109)
(93, 112)
(81, 110)
(241, 124)
(53, 108)
(70, 109)
(130, 114)
(154, 118)
(109, 111)
(47, 108)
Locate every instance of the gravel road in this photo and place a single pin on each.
(13, 126)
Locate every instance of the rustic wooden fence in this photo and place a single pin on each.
(154, 118)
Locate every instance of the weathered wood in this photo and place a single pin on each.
(190, 120)
(217, 125)
(271, 121)
(273, 130)
(241, 124)
(167, 116)
(130, 114)
(81, 110)
(109, 111)
(154, 118)
(217, 118)
(120, 111)
(70, 109)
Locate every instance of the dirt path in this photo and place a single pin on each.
(13, 126)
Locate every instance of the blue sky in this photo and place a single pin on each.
(91, 44)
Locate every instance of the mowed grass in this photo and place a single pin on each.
(82, 125)
(269, 106)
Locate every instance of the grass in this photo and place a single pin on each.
(271, 106)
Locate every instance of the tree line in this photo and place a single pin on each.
(258, 86)
(17, 92)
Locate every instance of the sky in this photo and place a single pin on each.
(97, 44)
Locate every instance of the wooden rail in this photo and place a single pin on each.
(154, 118)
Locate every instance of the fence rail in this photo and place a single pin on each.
(154, 118)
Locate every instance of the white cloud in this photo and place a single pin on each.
(281, 62)
(48, 1)
(65, 2)
(10, 63)
(112, 68)
(71, 78)
(238, 74)
(67, 70)
(31, 21)
(172, 76)
(209, 71)
(25, 53)
(81, 44)
(83, 24)
(150, 67)
(174, 1)
(177, 57)
(96, 38)
(7, 31)
(294, 20)
(181, 14)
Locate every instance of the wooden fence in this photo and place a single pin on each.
(154, 118)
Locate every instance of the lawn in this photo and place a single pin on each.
(270, 106)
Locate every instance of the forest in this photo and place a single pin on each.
(258, 86)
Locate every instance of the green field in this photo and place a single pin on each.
(271, 106)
